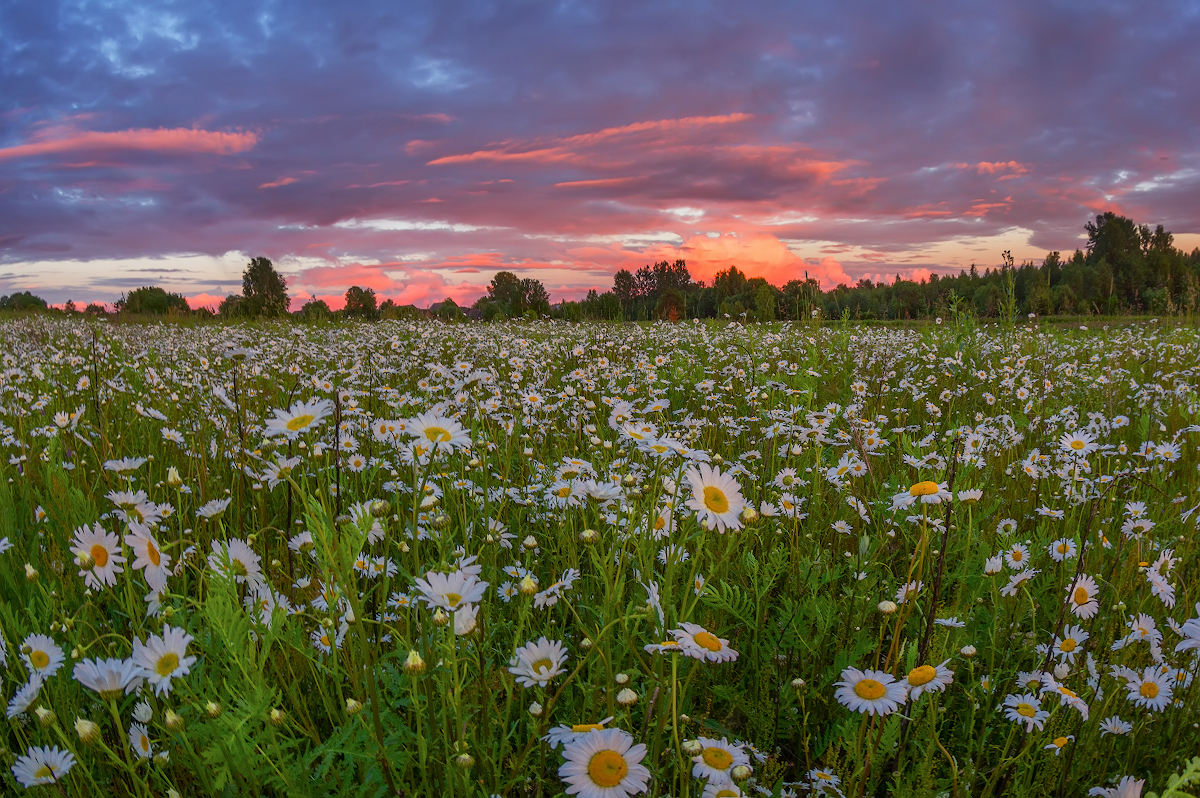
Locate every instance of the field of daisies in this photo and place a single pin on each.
(536, 559)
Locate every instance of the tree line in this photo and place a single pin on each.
(1125, 268)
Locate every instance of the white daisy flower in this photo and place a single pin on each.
(871, 692)
(538, 663)
(604, 764)
(42, 765)
(164, 658)
(698, 643)
(716, 498)
(717, 758)
(99, 554)
(928, 679)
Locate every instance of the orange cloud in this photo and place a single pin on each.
(993, 167)
(286, 181)
(758, 255)
(609, 182)
(146, 139)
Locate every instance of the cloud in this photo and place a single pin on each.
(54, 140)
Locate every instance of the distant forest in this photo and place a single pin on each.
(1126, 269)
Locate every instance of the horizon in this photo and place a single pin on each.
(418, 153)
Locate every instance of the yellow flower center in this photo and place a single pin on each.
(1060, 741)
(869, 689)
(1149, 690)
(44, 772)
(167, 664)
(1067, 645)
(99, 555)
(715, 500)
(1063, 548)
(300, 422)
(39, 659)
(607, 768)
(922, 674)
(563, 492)
(1067, 691)
(152, 553)
(1026, 710)
(707, 640)
(726, 793)
(660, 523)
(587, 727)
(717, 758)
(1081, 596)
(542, 666)
(438, 435)
(1077, 445)
(144, 743)
(923, 489)
(1017, 555)
(452, 599)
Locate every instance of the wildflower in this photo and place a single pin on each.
(139, 741)
(164, 658)
(1083, 596)
(109, 677)
(627, 697)
(1067, 646)
(1016, 580)
(1114, 725)
(1151, 690)
(99, 555)
(213, 509)
(448, 591)
(1017, 556)
(904, 592)
(562, 734)
(440, 431)
(23, 699)
(716, 498)
(148, 556)
(44, 657)
(88, 731)
(1078, 443)
(925, 492)
(300, 418)
(538, 663)
(1059, 743)
(42, 765)
(1127, 787)
(604, 764)
(1025, 709)
(699, 643)
(717, 758)
(871, 692)
(928, 679)
(240, 560)
(1062, 549)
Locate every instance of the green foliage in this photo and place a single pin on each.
(152, 300)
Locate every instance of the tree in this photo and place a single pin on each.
(448, 310)
(152, 300)
(315, 309)
(22, 301)
(513, 297)
(360, 302)
(264, 290)
(95, 309)
(534, 296)
(232, 306)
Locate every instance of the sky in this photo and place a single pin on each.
(416, 148)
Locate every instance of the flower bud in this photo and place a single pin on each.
(414, 663)
(585, 642)
(798, 684)
(380, 508)
(353, 707)
(589, 536)
(277, 717)
(440, 617)
(31, 573)
(173, 478)
(85, 561)
(474, 462)
(528, 585)
(535, 709)
(464, 760)
(530, 542)
(212, 709)
(440, 521)
(627, 697)
(887, 607)
(749, 515)
(88, 732)
(692, 747)
(173, 720)
(741, 772)
(621, 678)
(967, 650)
(46, 717)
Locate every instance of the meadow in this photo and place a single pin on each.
(537, 558)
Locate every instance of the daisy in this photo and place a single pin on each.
(300, 418)
(214, 508)
(149, 556)
(44, 657)
(439, 431)
(905, 592)
(538, 663)
(928, 679)
(109, 677)
(1059, 743)
(719, 789)
(139, 741)
(1016, 580)
(449, 591)
(716, 498)
(1006, 527)
(717, 758)
(871, 692)
(42, 765)
(1151, 690)
(1062, 549)
(928, 492)
(24, 698)
(1127, 787)
(243, 564)
(1017, 556)
(1025, 709)
(604, 764)
(1114, 725)
(1068, 646)
(1083, 596)
(103, 552)
(699, 643)
(562, 733)
(1078, 443)
(164, 658)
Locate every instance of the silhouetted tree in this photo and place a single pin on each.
(264, 290)
(360, 302)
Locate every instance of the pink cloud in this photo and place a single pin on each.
(756, 254)
(56, 140)
(284, 181)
